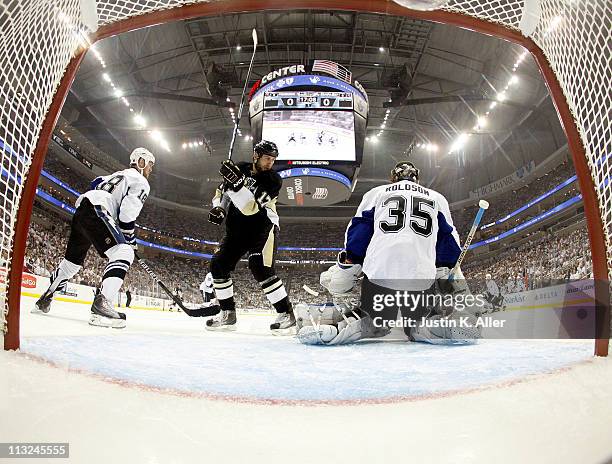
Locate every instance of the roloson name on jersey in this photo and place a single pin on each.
(295, 69)
(409, 187)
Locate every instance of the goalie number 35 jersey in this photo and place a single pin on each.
(122, 194)
(400, 234)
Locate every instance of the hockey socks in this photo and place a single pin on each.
(60, 277)
(224, 289)
(120, 257)
(276, 294)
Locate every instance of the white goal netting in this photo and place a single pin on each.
(39, 37)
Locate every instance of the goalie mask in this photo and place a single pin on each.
(405, 170)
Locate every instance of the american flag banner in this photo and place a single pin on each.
(333, 68)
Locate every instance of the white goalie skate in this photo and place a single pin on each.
(104, 315)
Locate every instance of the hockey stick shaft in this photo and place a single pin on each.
(484, 205)
(199, 312)
(241, 107)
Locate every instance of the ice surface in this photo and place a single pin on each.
(173, 351)
(561, 417)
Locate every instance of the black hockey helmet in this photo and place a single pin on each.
(404, 170)
(265, 147)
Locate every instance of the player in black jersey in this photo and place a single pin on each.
(247, 200)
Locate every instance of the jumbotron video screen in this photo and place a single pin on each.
(311, 126)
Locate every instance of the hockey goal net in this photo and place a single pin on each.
(41, 42)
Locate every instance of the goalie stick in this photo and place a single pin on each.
(484, 205)
(203, 311)
(246, 83)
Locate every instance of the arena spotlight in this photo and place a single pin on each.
(459, 142)
(140, 121)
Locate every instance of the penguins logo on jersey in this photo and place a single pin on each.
(250, 183)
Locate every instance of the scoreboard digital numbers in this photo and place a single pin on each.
(308, 100)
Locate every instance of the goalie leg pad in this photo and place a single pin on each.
(305, 314)
(456, 329)
(322, 335)
(327, 325)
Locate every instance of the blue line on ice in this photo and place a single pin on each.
(273, 368)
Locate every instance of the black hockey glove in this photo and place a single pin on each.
(216, 215)
(232, 175)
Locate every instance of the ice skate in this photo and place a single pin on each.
(104, 315)
(284, 324)
(225, 322)
(43, 304)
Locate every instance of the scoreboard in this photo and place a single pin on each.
(310, 126)
(308, 100)
(317, 117)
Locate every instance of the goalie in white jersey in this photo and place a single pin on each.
(402, 238)
(105, 217)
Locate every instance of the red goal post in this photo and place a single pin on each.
(41, 49)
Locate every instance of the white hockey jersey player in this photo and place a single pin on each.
(122, 194)
(206, 288)
(492, 286)
(400, 234)
(105, 218)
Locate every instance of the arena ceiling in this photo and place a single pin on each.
(434, 79)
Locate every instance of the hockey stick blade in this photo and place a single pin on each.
(202, 311)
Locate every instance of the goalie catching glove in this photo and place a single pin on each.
(341, 277)
(216, 215)
(232, 175)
